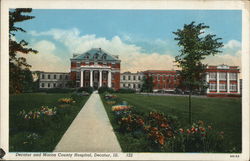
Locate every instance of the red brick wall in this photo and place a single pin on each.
(73, 75)
(168, 83)
(116, 80)
(73, 64)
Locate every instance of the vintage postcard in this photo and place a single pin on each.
(124, 80)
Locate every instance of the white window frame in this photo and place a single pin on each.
(233, 87)
(223, 76)
(233, 76)
(212, 86)
(212, 76)
(222, 87)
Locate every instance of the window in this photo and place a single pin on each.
(128, 85)
(134, 86)
(134, 77)
(104, 75)
(48, 76)
(233, 87)
(96, 56)
(139, 86)
(54, 84)
(48, 85)
(223, 87)
(86, 75)
(129, 77)
(66, 77)
(124, 77)
(77, 75)
(42, 76)
(54, 76)
(212, 76)
(42, 84)
(113, 76)
(139, 78)
(60, 76)
(212, 87)
(158, 77)
(223, 76)
(77, 64)
(123, 85)
(233, 76)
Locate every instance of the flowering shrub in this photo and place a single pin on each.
(131, 123)
(159, 129)
(36, 114)
(200, 138)
(66, 100)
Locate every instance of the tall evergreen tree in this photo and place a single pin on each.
(195, 46)
(148, 84)
(17, 63)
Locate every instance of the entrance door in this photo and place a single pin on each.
(95, 85)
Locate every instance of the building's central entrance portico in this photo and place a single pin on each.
(95, 76)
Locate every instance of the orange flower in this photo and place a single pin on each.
(161, 140)
(164, 125)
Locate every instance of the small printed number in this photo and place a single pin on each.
(129, 155)
(115, 155)
(234, 156)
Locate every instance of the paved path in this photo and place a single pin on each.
(91, 130)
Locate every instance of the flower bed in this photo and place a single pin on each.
(38, 113)
(163, 133)
(66, 100)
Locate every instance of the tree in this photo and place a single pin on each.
(17, 63)
(148, 84)
(195, 46)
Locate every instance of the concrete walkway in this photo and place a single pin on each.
(91, 130)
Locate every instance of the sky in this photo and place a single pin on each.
(143, 39)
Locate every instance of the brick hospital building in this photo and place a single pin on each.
(98, 68)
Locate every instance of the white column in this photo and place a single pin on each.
(218, 82)
(109, 78)
(81, 78)
(91, 78)
(238, 83)
(207, 80)
(228, 83)
(100, 78)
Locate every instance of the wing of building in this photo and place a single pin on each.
(223, 80)
(98, 68)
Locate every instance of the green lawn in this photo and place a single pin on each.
(48, 132)
(224, 114)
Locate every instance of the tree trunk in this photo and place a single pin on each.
(189, 108)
